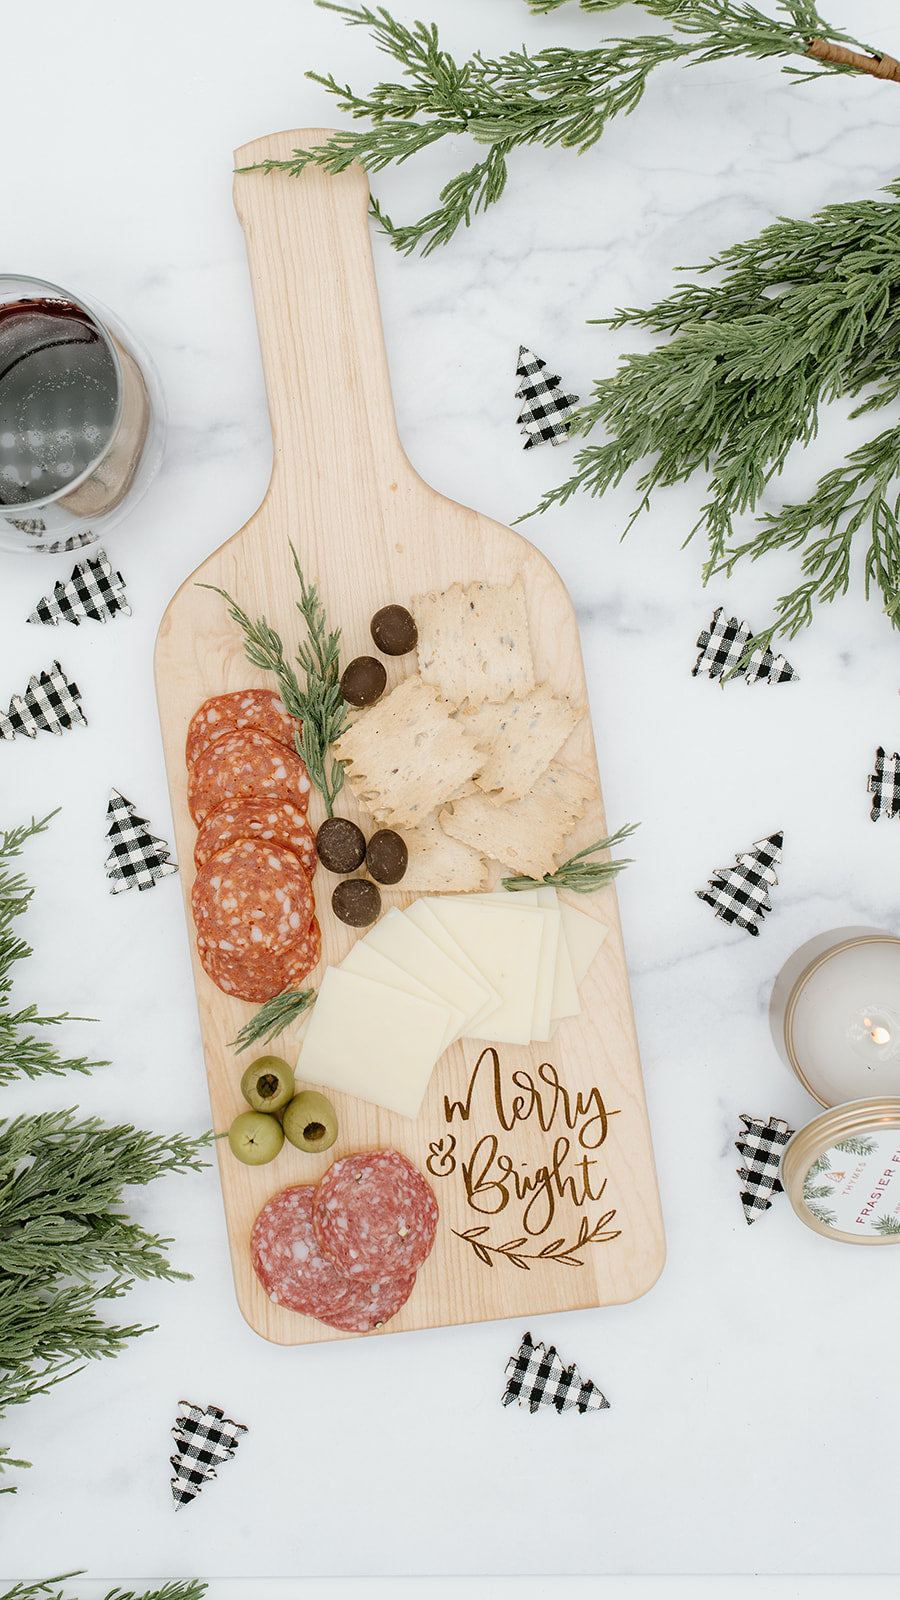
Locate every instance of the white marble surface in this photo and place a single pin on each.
(754, 1402)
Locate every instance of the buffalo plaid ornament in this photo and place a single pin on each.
(546, 410)
(722, 646)
(537, 1377)
(884, 785)
(741, 893)
(137, 859)
(760, 1144)
(93, 591)
(205, 1439)
(50, 704)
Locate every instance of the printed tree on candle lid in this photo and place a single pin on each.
(741, 893)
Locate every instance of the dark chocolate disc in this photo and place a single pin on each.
(394, 630)
(340, 844)
(363, 681)
(387, 856)
(356, 901)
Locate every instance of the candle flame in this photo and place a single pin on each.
(881, 1035)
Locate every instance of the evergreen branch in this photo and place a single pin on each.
(555, 97)
(805, 312)
(320, 707)
(273, 1017)
(580, 874)
(45, 1589)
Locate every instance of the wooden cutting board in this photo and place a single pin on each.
(528, 1149)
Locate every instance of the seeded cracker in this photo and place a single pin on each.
(473, 642)
(406, 756)
(520, 738)
(441, 865)
(524, 834)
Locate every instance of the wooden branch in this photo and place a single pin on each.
(877, 66)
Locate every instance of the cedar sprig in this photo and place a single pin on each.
(580, 874)
(273, 1017)
(45, 1589)
(803, 313)
(317, 703)
(555, 96)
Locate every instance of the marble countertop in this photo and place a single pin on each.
(754, 1405)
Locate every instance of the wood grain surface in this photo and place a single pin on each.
(552, 1137)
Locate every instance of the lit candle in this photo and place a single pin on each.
(835, 1015)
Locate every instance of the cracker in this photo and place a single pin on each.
(525, 834)
(473, 642)
(521, 738)
(439, 864)
(407, 755)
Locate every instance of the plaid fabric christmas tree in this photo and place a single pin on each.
(205, 1438)
(93, 591)
(741, 893)
(537, 1377)
(137, 859)
(50, 704)
(722, 646)
(760, 1144)
(884, 785)
(546, 411)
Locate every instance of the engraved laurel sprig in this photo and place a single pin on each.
(556, 1250)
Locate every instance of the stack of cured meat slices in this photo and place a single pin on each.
(248, 792)
(346, 1250)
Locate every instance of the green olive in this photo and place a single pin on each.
(268, 1084)
(255, 1137)
(310, 1121)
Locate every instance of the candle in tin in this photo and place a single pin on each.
(835, 1015)
(842, 1172)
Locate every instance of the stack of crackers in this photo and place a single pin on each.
(460, 757)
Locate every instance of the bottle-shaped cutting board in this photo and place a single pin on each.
(539, 1155)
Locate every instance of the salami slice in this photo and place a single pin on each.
(248, 975)
(294, 1272)
(270, 821)
(248, 708)
(245, 765)
(374, 1215)
(251, 896)
(302, 957)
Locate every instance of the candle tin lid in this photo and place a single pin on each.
(841, 1172)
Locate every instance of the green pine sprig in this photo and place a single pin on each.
(273, 1017)
(554, 97)
(45, 1589)
(580, 874)
(317, 702)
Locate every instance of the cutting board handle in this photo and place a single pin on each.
(324, 359)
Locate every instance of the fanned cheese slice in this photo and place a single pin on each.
(584, 936)
(374, 1042)
(369, 963)
(396, 937)
(505, 945)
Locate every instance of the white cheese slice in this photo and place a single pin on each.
(505, 944)
(584, 936)
(400, 939)
(551, 923)
(565, 1001)
(367, 962)
(422, 916)
(374, 1042)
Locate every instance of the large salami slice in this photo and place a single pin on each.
(251, 897)
(248, 975)
(270, 821)
(294, 1272)
(302, 957)
(248, 708)
(374, 1215)
(245, 765)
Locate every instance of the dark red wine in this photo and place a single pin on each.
(59, 395)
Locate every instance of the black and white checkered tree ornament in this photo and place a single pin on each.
(546, 411)
(50, 704)
(884, 785)
(722, 646)
(537, 1377)
(137, 859)
(205, 1438)
(760, 1145)
(741, 893)
(93, 591)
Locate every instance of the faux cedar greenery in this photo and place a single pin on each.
(801, 314)
(66, 1245)
(47, 1589)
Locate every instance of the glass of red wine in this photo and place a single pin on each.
(82, 418)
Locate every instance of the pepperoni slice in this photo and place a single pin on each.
(375, 1216)
(270, 821)
(294, 1272)
(245, 765)
(248, 708)
(251, 896)
(249, 975)
(302, 957)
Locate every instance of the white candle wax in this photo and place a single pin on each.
(840, 1019)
